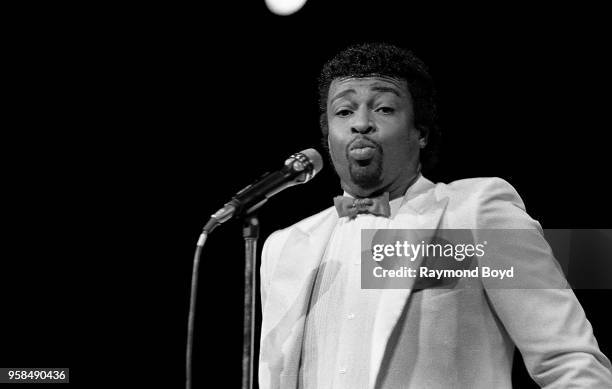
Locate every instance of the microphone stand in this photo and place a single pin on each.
(250, 233)
(298, 169)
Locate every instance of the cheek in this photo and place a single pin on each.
(403, 148)
(335, 148)
(336, 143)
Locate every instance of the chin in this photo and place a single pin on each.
(366, 177)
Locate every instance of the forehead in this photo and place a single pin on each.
(373, 83)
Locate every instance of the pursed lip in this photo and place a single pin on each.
(362, 149)
(361, 144)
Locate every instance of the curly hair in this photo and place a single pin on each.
(382, 59)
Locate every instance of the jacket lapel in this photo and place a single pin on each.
(419, 210)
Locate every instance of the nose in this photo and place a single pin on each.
(362, 122)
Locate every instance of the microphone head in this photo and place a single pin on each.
(304, 165)
(315, 159)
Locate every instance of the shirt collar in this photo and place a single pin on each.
(395, 204)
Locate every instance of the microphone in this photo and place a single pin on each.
(299, 168)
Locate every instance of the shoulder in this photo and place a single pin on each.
(274, 244)
(478, 189)
(485, 202)
(304, 225)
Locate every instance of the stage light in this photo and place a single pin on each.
(284, 7)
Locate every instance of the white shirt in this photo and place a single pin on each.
(340, 317)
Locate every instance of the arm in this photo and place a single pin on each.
(269, 255)
(548, 326)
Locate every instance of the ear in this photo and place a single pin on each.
(325, 131)
(329, 149)
(323, 123)
(423, 136)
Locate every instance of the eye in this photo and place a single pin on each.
(385, 110)
(343, 112)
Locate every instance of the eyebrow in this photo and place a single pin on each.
(375, 88)
(386, 89)
(342, 94)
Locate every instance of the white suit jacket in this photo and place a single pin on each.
(457, 338)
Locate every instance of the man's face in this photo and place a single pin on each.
(372, 139)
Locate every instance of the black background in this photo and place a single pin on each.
(127, 127)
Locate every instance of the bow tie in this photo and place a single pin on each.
(348, 206)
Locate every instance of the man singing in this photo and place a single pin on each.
(322, 330)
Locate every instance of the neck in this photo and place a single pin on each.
(398, 189)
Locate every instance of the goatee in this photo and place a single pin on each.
(366, 174)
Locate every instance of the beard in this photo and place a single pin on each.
(366, 174)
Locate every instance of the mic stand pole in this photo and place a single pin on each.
(250, 232)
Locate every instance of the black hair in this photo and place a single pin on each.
(383, 59)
